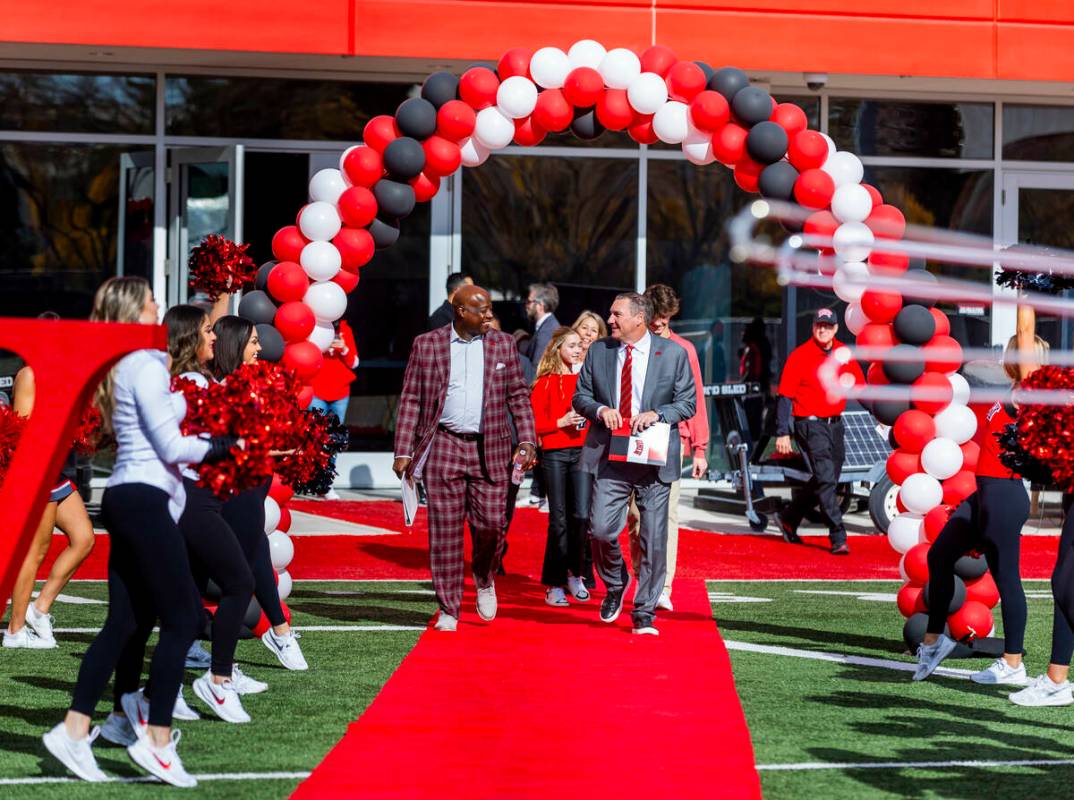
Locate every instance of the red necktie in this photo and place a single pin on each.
(625, 384)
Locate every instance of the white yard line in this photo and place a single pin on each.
(299, 628)
(915, 765)
(839, 658)
(210, 776)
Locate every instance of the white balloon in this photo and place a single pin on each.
(853, 241)
(697, 146)
(586, 53)
(619, 68)
(327, 185)
(322, 336)
(845, 168)
(920, 493)
(956, 422)
(851, 203)
(284, 584)
(272, 515)
(493, 129)
(327, 300)
(960, 388)
(941, 458)
(516, 97)
(474, 154)
(850, 281)
(647, 93)
(671, 123)
(281, 550)
(905, 530)
(902, 568)
(831, 146)
(855, 318)
(319, 221)
(549, 67)
(320, 260)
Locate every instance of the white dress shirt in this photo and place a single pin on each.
(466, 385)
(639, 364)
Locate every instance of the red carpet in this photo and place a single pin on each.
(546, 703)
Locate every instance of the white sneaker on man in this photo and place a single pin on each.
(136, 707)
(163, 762)
(577, 588)
(244, 684)
(117, 730)
(331, 494)
(222, 698)
(75, 754)
(446, 622)
(645, 630)
(1043, 691)
(286, 649)
(486, 602)
(25, 638)
(999, 671)
(930, 656)
(556, 597)
(664, 602)
(41, 623)
(182, 710)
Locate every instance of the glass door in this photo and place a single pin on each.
(137, 178)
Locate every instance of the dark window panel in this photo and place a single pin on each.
(77, 102)
(606, 139)
(910, 128)
(1038, 133)
(1044, 219)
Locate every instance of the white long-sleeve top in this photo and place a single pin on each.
(145, 420)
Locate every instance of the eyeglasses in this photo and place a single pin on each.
(530, 303)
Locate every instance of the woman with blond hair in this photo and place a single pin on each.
(590, 327)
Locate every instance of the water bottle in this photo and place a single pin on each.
(517, 473)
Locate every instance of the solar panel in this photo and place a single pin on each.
(864, 445)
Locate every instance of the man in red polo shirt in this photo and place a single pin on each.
(817, 428)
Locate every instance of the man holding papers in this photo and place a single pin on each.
(636, 389)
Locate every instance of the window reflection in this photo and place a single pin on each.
(909, 128)
(1044, 219)
(77, 102)
(1038, 133)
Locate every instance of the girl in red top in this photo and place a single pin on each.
(562, 432)
(990, 520)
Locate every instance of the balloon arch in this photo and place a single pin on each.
(715, 115)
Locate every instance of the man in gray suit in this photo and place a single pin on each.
(632, 378)
(541, 304)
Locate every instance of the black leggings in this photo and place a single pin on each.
(148, 580)
(989, 520)
(1063, 591)
(245, 513)
(215, 555)
(565, 487)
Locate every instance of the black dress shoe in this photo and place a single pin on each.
(613, 603)
(790, 534)
(840, 549)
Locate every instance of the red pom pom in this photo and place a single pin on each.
(972, 621)
(363, 166)
(11, 426)
(220, 266)
(89, 431)
(614, 111)
(455, 120)
(909, 599)
(552, 112)
(1044, 431)
(288, 282)
(902, 464)
(916, 564)
(355, 247)
(935, 519)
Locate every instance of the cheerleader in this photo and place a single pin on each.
(149, 576)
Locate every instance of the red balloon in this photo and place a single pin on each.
(304, 358)
(876, 334)
(528, 133)
(888, 263)
(826, 261)
(294, 321)
(425, 188)
(614, 111)
(515, 61)
(641, 130)
(442, 156)
(305, 397)
(874, 194)
(357, 206)
(747, 173)
(902, 464)
(285, 520)
(355, 246)
(288, 282)
(807, 150)
(910, 600)
(583, 87)
(875, 375)
(971, 451)
(709, 111)
(455, 120)
(791, 118)
(932, 385)
(280, 491)
(685, 81)
(983, 590)
(364, 166)
(814, 188)
(900, 506)
(886, 222)
(729, 143)
(552, 112)
(286, 612)
(478, 87)
(262, 625)
(881, 306)
(658, 59)
(916, 564)
(935, 519)
(913, 430)
(822, 224)
(298, 216)
(942, 354)
(380, 131)
(972, 621)
(958, 487)
(347, 281)
(287, 244)
(943, 324)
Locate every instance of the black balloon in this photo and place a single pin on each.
(257, 307)
(385, 233)
(271, 343)
(969, 568)
(904, 372)
(586, 126)
(919, 275)
(211, 591)
(394, 199)
(914, 630)
(957, 599)
(777, 181)
(439, 88)
(766, 142)
(261, 279)
(887, 411)
(709, 71)
(728, 81)
(404, 158)
(914, 324)
(752, 105)
(416, 117)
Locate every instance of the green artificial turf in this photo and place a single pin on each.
(805, 711)
(300, 717)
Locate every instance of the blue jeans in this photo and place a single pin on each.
(337, 407)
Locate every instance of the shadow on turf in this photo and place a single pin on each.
(821, 640)
(358, 611)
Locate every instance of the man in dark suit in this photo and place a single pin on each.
(635, 379)
(462, 388)
(541, 304)
(446, 313)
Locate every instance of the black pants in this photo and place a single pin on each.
(822, 447)
(1063, 591)
(245, 513)
(567, 515)
(989, 520)
(149, 579)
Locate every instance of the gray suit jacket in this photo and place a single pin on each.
(669, 390)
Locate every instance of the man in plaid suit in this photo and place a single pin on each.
(452, 432)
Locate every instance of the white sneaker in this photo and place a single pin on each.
(244, 684)
(163, 762)
(446, 622)
(646, 630)
(556, 597)
(182, 710)
(222, 698)
(286, 649)
(929, 656)
(664, 602)
(27, 639)
(137, 710)
(331, 494)
(40, 622)
(117, 730)
(1043, 691)
(999, 671)
(75, 754)
(576, 586)
(486, 602)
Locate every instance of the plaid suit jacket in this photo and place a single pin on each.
(425, 383)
